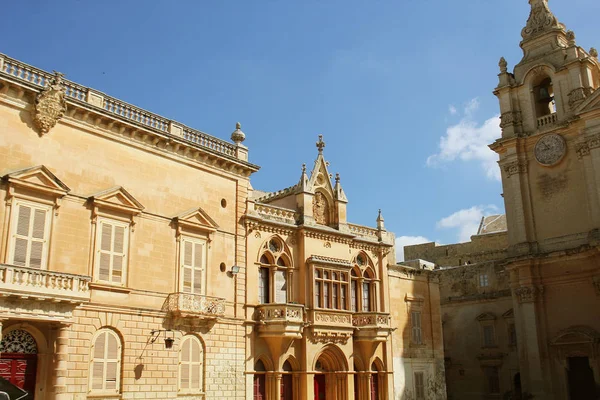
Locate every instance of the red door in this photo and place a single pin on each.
(19, 370)
(320, 387)
(287, 392)
(259, 387)
(374, 387)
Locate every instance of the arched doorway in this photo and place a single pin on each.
(259, 385)
(329, 383)
(18, 363)
(287, 382)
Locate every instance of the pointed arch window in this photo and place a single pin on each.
(362, 285)
(191, 362)
(274, 273)
(105, 365)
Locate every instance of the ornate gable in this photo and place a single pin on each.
(195, 219)
(117, 199)
(39, 179)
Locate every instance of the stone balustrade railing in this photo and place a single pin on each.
(363, 231)
(26, 73)
(280, 312)
(547, 120)
(371, 320)
(275, 213)
(41, 284)
(195, 305)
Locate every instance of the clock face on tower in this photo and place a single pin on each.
(550, 149)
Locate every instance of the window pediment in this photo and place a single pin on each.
(37, 179)
(117, 199)
(486, 317)
(195, 219)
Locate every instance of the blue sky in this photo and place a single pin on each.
(401, 90)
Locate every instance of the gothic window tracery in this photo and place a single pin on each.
(362, 285)
(275, 273)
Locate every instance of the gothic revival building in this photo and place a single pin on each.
(531, 293)
(138, 262)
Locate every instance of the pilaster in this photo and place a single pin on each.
(61, 358)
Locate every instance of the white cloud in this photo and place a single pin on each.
(402, 241)
(468, 141)
(452, 110)
(466, 221)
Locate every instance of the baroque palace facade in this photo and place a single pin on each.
(521, 300)
(138, 262)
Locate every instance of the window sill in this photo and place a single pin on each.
(104, 396)
(191, 396)
(109, 288)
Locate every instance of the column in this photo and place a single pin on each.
(60, 366)
(277, 388)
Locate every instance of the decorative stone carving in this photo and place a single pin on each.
(550, 149)
(503, 65)
(50, 104)
(510, 118)
(320, 144)
(528, 294)
(515, 167)
(540, 20)
(320, 209)
(576, 96)
(18, 341)
(320, 336)
(238, 136)
(583, 149)
(593, 52)
(571, 38)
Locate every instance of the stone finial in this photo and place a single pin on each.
(238, 136)
(303, 168)
(571, 38)
(320, 144)
(337, 177)
(593, 52)
(502, 64)
(50, 104)
(380, 225)
(540, 20)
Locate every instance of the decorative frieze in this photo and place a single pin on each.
(515, 167)
(584, 148)
(576, 96)
(528, 294)
(510, 118)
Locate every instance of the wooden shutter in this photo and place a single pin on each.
(416, 326)
(419, 385)
(112, 251)
(106, 362)
(30, 236)
(184, 372)
(280, 287)
(192, 267)
(190, 365)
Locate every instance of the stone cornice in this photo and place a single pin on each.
(110, 115)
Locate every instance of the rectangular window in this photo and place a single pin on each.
(192, 266)
(263, 285)
(111, 254)
(353, 290)
(326, 294)
(493, 380)
(416, 327)
(318, 294)
(343, 297)
(488, 336)
(512, 335)
(366, 297)
(483, 280)
(334, 296)
(280, 287)
(419, 385)
(29, 247)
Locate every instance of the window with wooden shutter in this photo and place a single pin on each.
(29, 245)
(192, 266)
(416, 327)
(111, 253)
(105, 366)
(191, 359)
(419, 385)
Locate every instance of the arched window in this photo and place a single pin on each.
(274, 273)
(374, 382)
(191, 361)
(105, 365)
(362, 285)
(544, 98)
(354, 290)
(367, 290)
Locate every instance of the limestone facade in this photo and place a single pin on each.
(543, 278)
(137, 261)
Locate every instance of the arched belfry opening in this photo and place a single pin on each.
(543, 93)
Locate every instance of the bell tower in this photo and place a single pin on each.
(548, 191)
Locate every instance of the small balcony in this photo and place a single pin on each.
(547, 120)
(373, 326)
(280, 320)
(195, 306)
(42, 285)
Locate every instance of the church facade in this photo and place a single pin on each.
(520, 301)
(137, 261)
